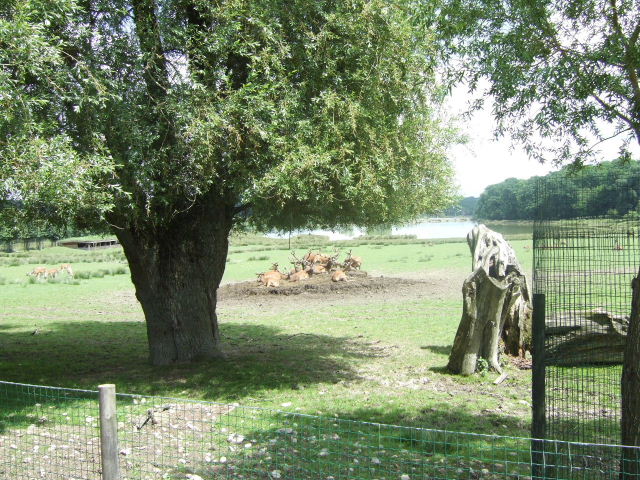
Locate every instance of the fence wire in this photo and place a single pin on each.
(48, 433)
(52, 433)
(583, 265)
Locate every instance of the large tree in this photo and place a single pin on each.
(178, 119)
(563, 75)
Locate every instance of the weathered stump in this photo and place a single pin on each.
(496, 305)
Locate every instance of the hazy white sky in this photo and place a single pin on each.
(485, 161)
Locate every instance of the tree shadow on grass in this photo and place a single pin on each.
(433, 445)
(438, 349)
(444, 416)
(85, 354)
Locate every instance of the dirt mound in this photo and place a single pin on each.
(319, 284)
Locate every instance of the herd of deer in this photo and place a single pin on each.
(313, 263)
(44, 272)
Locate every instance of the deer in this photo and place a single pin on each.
(339, 276)
(298, 264)
(333, 263)
(299, 275)
(310, 257)
(272, 277)
(38, 272)
(65, 267)
(52, 272)
(352, 262)
(316, 257)
(318, 269)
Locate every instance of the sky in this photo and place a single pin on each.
(484, 161)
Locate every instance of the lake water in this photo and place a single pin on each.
(427, 229)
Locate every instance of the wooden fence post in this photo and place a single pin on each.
(109, 433)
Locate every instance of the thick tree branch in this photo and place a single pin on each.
(631, 65)
(613, 110)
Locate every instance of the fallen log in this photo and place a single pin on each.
(586, 338)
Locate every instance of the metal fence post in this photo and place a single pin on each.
(109, 433)
(538, 420)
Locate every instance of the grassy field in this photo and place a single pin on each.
(366, 355)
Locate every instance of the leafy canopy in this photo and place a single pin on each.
(297, 112)
(561, 72)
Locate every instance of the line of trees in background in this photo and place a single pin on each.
(13, 229)
(466, 207)
(610, 188)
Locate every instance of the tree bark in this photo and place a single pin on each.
(479, 330)
(630, 386)
(176, 272)
(496, 305)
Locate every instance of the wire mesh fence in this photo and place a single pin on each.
(586, 252)
(48, 433)
(52, 433)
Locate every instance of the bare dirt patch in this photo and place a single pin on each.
(318, 285)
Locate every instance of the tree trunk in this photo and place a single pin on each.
(630, 422)
(176, 272)
(496, 305)
(479, 330)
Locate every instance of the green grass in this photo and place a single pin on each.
(374, 359)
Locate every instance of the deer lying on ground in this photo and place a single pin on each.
(318, 269)
(38, 272)
(299, 275)
(271, 278)
(310, 257)
(339, 276)
(319, 258)
(352, 262)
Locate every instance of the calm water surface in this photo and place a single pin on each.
(425, 229)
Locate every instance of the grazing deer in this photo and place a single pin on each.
(339, 276)
(65, 267)
(52, 272)
(38, 272)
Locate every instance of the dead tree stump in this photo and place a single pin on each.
(496, 305)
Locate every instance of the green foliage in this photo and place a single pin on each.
(607, 189)
(44, 174)
(559, 71)
(339, 359)
(465, 207)
(482, 366)
(295, 113)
